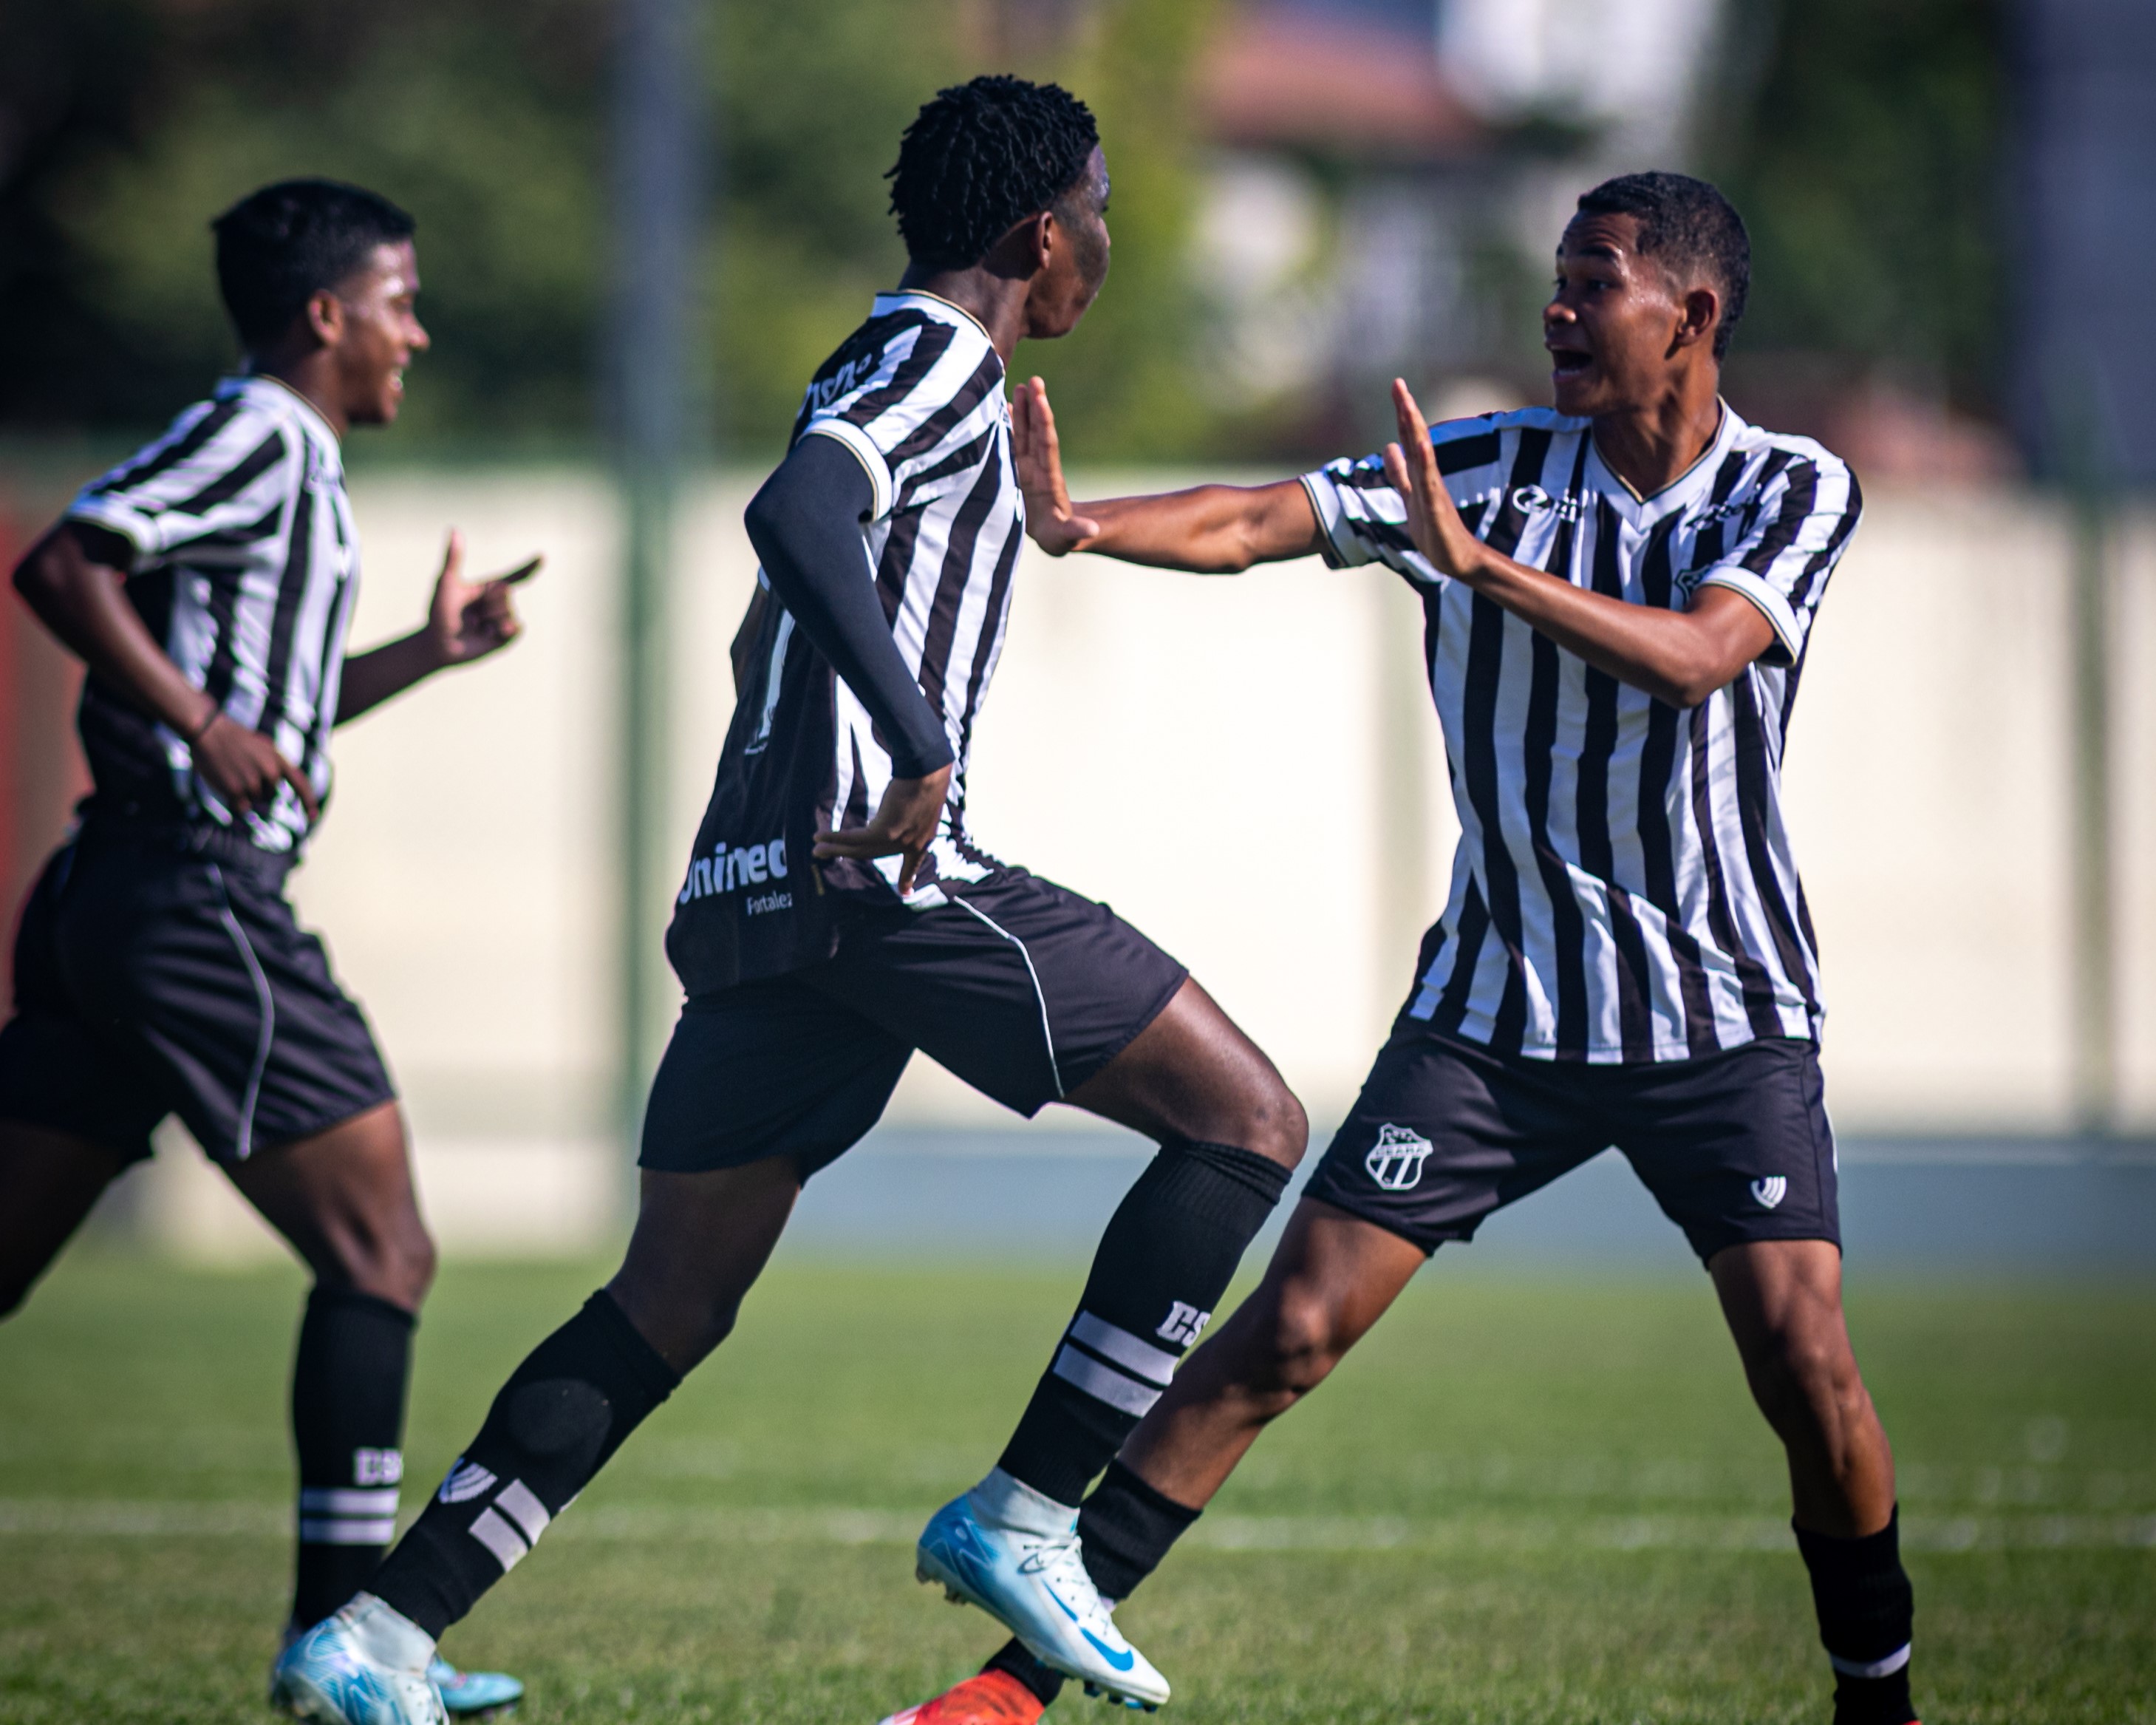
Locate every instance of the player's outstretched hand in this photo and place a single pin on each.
(244, 768)
(1049, 517)
(469, 619)
(904, 826)
(1411, 464)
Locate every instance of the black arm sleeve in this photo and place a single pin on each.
(806, 526)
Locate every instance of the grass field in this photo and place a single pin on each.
(1521, 1501)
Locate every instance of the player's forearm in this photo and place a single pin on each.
(1207, 530)
(371, 678)
(1679, 657)
(84, 603)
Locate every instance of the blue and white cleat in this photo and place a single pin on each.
(366, 1665)
(1014, 1554)
(474, 1695)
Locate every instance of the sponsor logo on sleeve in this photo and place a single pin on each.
(1395, 1160)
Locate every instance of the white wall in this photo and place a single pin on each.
(1250, 770)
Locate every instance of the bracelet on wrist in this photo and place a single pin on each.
(202, 730)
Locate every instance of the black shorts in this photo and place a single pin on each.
(1734, 1146)
(160, 972)
(1017, 985)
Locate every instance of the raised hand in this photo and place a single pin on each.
(1411, 464)
(1049, 520)
(469, 619)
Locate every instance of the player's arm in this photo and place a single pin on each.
(73, 579)
(1209, 529)
(465, 620)
(1680, 658)
(806, 526)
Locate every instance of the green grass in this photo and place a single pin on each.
(1521, 1501)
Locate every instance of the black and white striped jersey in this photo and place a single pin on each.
(1624, 888)
(245, 568)
(917, 393)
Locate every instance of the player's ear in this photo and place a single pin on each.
(326, 318)
(1701, 307)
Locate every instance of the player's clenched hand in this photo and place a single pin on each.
(1411, 464)
(245, 769)
(1049, 517)
(469, 619)
(904, 825)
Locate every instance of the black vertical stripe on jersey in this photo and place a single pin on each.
(195, 437)
(223, 656)
(1567, 925)
(229, 484)
(1486, 664)
(291, 593)
(1657, 844)
(1467, 958)
(1753, 982)
(1464, 455)
(985, 649)
(1797, 502)
(951, 582)
(1800, 589)
(1598, 746)
(965, 455)
(987, 376)
(896, 564)
(1754, 796)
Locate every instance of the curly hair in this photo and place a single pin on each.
(1692, 226)
(981, 157)
(277, 247)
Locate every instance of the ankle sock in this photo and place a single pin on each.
(1865, 1608)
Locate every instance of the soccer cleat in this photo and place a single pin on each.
(474, 1695)
(1014, 1554)
(990, 1698)
(366, 1665)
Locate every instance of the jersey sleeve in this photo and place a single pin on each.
(223, 474)
(1801, 526)
(910, 417)
(1364, 519)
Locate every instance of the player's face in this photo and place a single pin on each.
(381, 332)
(1078, 264)
(1612, 326)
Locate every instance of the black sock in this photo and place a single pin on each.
(348, 1380)
(1167, 1258)
(1866, 1610)
(1125, 1528)
(562, 1414)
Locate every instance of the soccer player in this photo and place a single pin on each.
(207, 584)
(1618, 592)
(837, 915)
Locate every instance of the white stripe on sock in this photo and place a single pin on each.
(498, 1537)
(1884, 1667)
(344, 1500)
(378, 1529)
(1153, 1364)
(1102, 1383)
(524, 1508)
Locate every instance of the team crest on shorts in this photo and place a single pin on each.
(1395, 1160)
(1770, 1191)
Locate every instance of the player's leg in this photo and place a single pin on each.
(759, 1088)
(1782, 1300)
(1737, 1148)
(49, 1182)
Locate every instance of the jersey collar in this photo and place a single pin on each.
(933, 299)
(1679, 490)
(278, 397)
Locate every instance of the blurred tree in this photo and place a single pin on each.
(1864, 147)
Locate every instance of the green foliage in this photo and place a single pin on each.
(1867, 163)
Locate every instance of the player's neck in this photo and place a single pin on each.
(1652, 446)
(309, 376)
(994, 300)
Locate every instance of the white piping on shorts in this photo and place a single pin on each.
(245, 1146)
(1047, 1035)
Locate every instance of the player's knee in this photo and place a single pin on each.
(1303, 1343)
(1805, 1380)
(395, 1261)
(1269, 1122)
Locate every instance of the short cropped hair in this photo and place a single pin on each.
(278, 247)
(1691, 226)
(982, 157)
